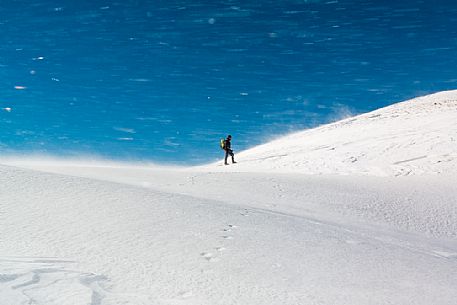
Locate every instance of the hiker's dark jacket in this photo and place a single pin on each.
(228, 145)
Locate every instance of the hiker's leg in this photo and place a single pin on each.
(226, 156)
(232, 155)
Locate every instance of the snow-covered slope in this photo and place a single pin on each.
(98, 233)
(418, 136)
(239, 239)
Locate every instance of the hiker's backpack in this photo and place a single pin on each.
(222, 144)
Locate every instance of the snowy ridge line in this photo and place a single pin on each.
(407, 204)
(168, 193)
(414, 137)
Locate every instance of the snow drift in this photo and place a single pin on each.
(415, 137)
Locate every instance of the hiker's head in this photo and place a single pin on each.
(229, 137)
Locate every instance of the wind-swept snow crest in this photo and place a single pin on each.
(414, 137)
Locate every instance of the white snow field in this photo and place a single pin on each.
(413, 137)
(362, 211)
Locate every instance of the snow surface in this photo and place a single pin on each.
(379, 230)
(415, 137)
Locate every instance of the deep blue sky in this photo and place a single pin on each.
(165, 80)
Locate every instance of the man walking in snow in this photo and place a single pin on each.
(228, 149)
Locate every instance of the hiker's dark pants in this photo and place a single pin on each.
(227, 153)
